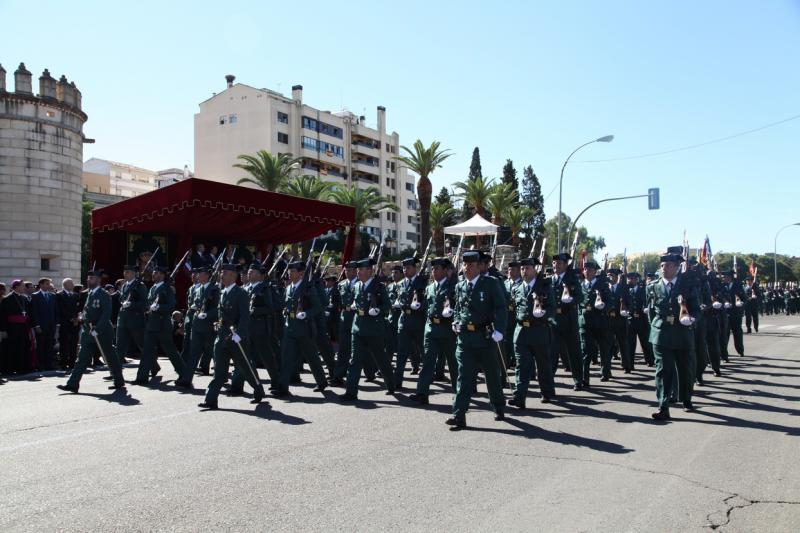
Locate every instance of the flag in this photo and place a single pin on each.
(753, 269)
(584, 253)
(735, 269)
(705, 254)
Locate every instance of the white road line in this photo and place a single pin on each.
(765, 326)
(793, 326)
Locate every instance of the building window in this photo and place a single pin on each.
(390, 182)
(411, 236)
(223, 120)
(391, 216)
(283, 138)
(233, 119)
(315, 125)
(412, 204)
(393, 167)
(410, 187)
(331, 150)
(412, 219)
(44, 264)
(283, 118)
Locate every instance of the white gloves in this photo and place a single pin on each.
(599, 305)
(647, 310)
(497, 336)
(538, 312)
(566, 299)
(447, 312)
(687, 320)
(727, 305)
(301, 315)
(374, 311)
(236, 338)
(327, 313)
(93, 333)
(154, 307)
(353, 306)
(397, 304)
(739, 304)
(624, 313)
(126, 305)
(456, 327)
(415, 305)
(717, 305)
(201, 316)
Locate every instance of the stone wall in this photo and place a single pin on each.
(41, 158)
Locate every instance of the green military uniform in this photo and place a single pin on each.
(532, 339)
(346, 290)
(736, 314)
(638, 324)
(187, 322)
(566, 333)
(511, 321)
(753, 297)
(130, 320)
(411, 326)
(278, 296)
(439, 340)
(158, 331)
(322, 341)
(594, 328)
(672, 341)
(299, 334)
(234, 319)
(480, 309)
(618, 311)
(261, 315)
(96, 328)
(205, 313)
(393, 319)
(700, 328)
(368, 334)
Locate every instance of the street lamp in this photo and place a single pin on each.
(775, 252)
(606, 139)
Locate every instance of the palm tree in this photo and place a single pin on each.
(476, 193)
(268, 171)
(308, 186)
(423, 161)
(441, 216)
(516, 218)
(367, 202)
(501, 198)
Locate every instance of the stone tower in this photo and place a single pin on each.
(41, 161)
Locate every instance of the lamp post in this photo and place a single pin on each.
(775, 251)
(606, 139)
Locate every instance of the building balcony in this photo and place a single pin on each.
(367, 167)
(364, 148)
(360, 129)
(370, 179)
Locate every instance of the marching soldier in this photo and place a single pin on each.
(130, 320)
(322, 340)
(158, 329)
(509, 283)
(566, 339)
(346, 289)
(187, 318)
(618, 312)
(534, 304)
(233, 328)
(439, 340)
(736, 311)
(671, 306)
(479, 320)
(753, 296)
(301, 308)
(205, 313)
(371, 306)
(411, 326)
(638, 325)
(700, 328)
(257, 343)
(393, 320)
(712, 319)
(97, 335)
(593, 322)
(333, 308)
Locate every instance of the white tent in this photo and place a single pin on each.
(477, 225)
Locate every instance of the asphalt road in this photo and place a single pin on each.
(594, 461)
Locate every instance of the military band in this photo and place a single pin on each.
(430, 316)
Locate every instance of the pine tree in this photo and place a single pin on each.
(510, 174)
(443, 197)
(475, 172)
(532, 197)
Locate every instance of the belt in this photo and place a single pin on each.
(292, 314)
(531, 322)
(636, 315)
(439, 320)
(17, 319)
(361, 312)
(473, 327)
(612, 313)
(407, 311)
(510, 307)
(558, 310)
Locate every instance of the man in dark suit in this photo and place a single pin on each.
(68, 325)
(43, 316)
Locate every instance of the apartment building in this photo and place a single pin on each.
(337, 147)
(117, 179)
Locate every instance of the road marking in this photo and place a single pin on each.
(91, 431)
(765, 326)
(793, 326)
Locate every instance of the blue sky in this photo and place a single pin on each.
(529, 81)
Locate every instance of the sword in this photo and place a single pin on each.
(97, 341)
(503, 362)
(244, 356)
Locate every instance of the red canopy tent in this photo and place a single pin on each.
(193, 210)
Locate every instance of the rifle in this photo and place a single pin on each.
(625, 261)
(457, 257)
(425, 257)
(494, 248)
(275, 262)
(310, 260)
(177, 266)
(379, 261)
(215, 268)
(325, 247)
(372, 249)
(285, 270)
(574, 246)
(153, 256)
(541, 253)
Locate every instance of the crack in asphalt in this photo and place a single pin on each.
(713, 525)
